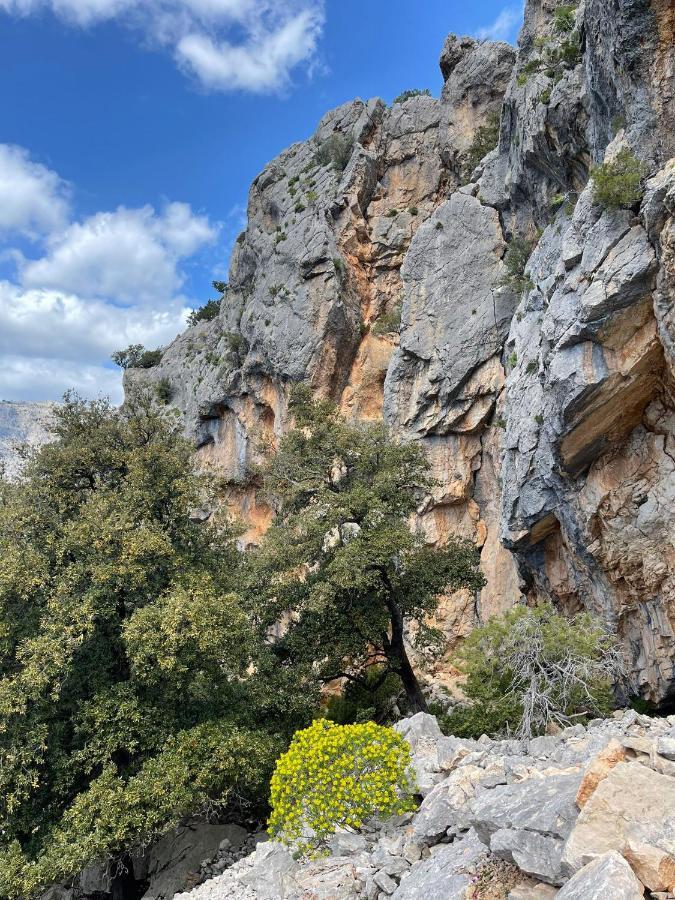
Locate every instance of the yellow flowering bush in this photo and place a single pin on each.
(337, 776)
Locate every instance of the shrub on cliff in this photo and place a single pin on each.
(205, 313)
(136, 357)
(531, 668)
(335, 151)
(340, 562)
(337, 776)
(412, 92)
(618, 184)
(485, 139)
(133, 690)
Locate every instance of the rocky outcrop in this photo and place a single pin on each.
(515, 828)
(21, 425)
(374, 266)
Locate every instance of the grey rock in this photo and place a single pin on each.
(544, 805)
(535, 854)
(271, 871)
(446, 874)
(539, 891)
(607, 876)
(22, 424)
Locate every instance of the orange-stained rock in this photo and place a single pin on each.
(598, 769)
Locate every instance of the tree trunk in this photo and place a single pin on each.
(398, 657)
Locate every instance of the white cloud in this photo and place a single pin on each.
(37, 378)
(42, 322)
(504, 27)
(228, 45)
(129, 256)
(33, 199)
(108, 281)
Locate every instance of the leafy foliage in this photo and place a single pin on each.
(389, 322)
(533, 667)
(409, 94)
(136, 357)
(337, 776)
(340, 561)
(335, 151)
(563, 18)
(127, 697)
(515, 260)
(378, 697)
(485, 139)
(618, 184)
(205, 313)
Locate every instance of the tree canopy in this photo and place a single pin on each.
(132, 685)
(340, 564)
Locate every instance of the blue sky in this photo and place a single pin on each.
(130, 132)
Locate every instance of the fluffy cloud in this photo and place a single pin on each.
(129, 255)
(33, 198)
(107, 281)
(503, 28)
(251, 45)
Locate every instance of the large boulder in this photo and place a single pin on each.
(632, 812)
(607, 876)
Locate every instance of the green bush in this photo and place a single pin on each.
(163, 390)
(136, 357)
(533, 667)
(238, 347)
(335, 151)
(338, 776)
(515, 260)
(618, 184)
(408, 95)
(563, 18)
(220, 286)
(389, 322)
(485, 139)
(205, 313)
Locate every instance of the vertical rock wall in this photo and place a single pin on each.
(547, 414)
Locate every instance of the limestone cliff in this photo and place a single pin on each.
(21, 424)
(373, 265)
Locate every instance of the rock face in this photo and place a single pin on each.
(516, 829)
(21, 424)
(373, 267)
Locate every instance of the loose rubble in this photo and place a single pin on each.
(587, 813)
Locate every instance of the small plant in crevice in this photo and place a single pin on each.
(500, 422)
(531, 367)
(485, 139)
(335, 151)
(563, 18)
(515, 260)
(413, 210)
(539, 419)
(391, 213)
(237, 346)
(618, 184)
(512, 360)
(388, 322)
(163, 390)
(220, 286)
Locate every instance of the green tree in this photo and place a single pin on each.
(340, 564)
(127, 698)
(533, 667)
